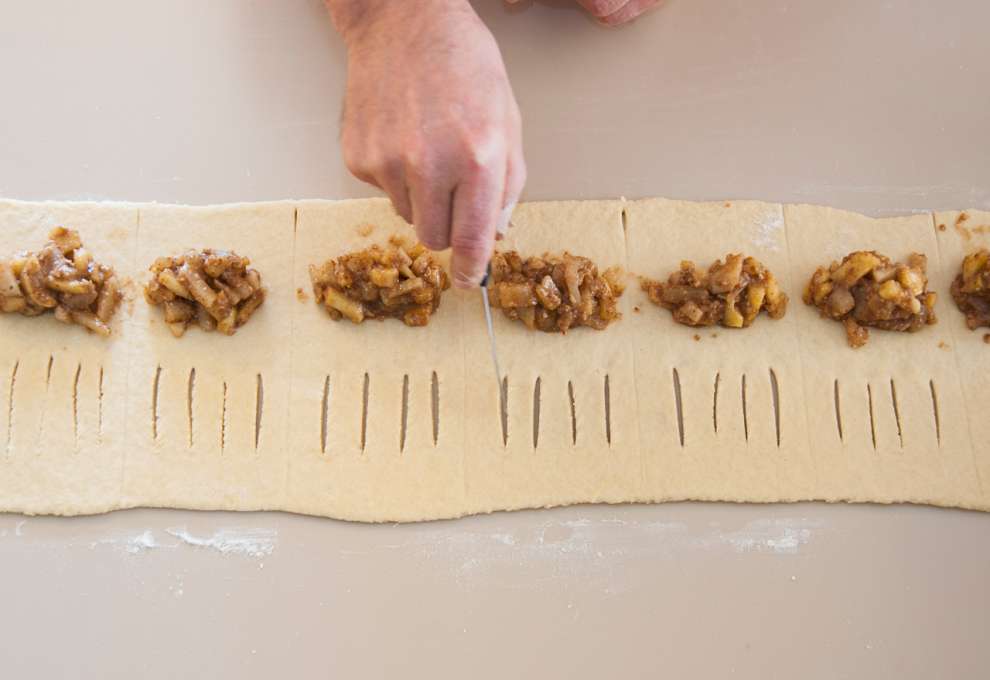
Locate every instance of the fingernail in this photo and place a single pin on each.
(462, 280)
(503, 220)
(467, 273)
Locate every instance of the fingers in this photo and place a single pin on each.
(477, 205)
(388, 176)
(628, 12)
(602, 8)
(515, 172)
(355, 159)
(515, 179)
(615, 12)
(431, 208)
(392, 181)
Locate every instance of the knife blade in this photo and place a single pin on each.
(488, 319)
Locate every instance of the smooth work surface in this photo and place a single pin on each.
(878, 106)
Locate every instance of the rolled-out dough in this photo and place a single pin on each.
(380, 422)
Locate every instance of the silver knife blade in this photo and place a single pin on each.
(488, 319)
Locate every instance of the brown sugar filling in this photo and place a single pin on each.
(867, 289)
(399, 281)
(732, 293)
(216, 290)
(555, 293)
(971, 289)
(62, 278)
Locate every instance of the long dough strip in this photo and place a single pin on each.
(388, 423)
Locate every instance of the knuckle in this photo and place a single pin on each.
(481, 149)
(483, 156)
(416, 157)
(354, 160)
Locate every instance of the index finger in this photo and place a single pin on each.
(628, 12)
(477, 204)
(615, 12)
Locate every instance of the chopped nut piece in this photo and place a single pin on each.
(62, 278)
(400, 281)
(384, 277)
(971, 289)
(65, 240)
(854, 267)
(548, 294)
(178, 311)
(730, 293)
(88, 320)
(868, 289)
(856, 335)
(213, 289)
(338, 301)
(516, 295)
(250, 305)
(554, 293)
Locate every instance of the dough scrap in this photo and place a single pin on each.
(388, 423)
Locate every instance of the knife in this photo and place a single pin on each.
(488, 319)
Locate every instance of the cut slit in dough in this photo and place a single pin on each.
(380, 422)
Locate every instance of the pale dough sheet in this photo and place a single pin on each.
(724, 444)
(213, 439)
(380, 422)
(63, 395)
(333, 470)
(890, 450)
(955, 241)
(560, 459)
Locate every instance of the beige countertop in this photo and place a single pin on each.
(872, 105)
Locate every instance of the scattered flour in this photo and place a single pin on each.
(143, 541)
(178, 588)
(243, 542)
(247, 542)
(780, 536)
(130, 543)
(605, 551)
(769, 230)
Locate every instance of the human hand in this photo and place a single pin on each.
(613, 12)
(430, 118)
